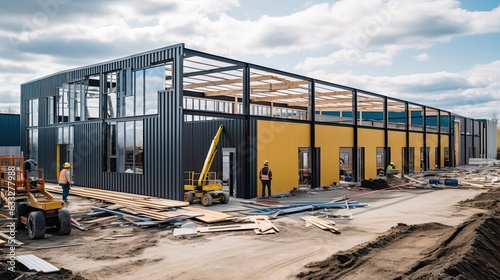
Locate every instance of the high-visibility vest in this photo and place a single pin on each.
(62, 177)
(265, 177)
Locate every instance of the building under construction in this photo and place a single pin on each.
(137, 124)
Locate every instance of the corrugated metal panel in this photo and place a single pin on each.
(279, 142)
(162, 137)
(197, 138)
(10, 126)
(34, 262)
(87, 154)
(47, 141)
(169, 153)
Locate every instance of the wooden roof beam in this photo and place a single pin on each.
(225, 82)
(305, 95)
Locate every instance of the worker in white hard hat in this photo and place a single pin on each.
(65, 180)
(265, 176)
(391, 166)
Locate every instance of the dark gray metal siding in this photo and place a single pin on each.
(10, 128)
(88, 156)
(47, 139)
(162, 134)
(197, 139)
(169, 149)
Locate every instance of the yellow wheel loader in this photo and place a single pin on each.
(28, 203)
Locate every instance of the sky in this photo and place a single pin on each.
(440, 53)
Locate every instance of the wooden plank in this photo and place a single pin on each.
(6, 237)
(5, 216)
(321, 223)
(98, 220)
(313, 222)
(227, 228)
(77, 225)
(59, 246)
(122, 198)
(209, 216)
(472, 184)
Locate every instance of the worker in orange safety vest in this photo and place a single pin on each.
(265, 176)
(65, 180)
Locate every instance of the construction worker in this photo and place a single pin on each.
(391, 166)
(65, 180)
(265, 176)
(29, 165)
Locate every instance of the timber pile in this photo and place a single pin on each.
(126, 199)
(321, 223)
(260, 225)
(208, 216)
(158, 209)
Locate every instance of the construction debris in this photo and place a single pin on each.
(188, 228)
(33, 262)
(321, 223)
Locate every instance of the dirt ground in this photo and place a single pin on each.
(402, 233)
(424, 251)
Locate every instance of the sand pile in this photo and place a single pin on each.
(425, 251)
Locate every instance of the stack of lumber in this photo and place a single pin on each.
(260, 225)
(208, 216)
(321, 223)
(125, 199)
(158, 209)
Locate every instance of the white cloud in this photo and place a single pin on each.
(472, 93)
(347, 57)
(421, 57)
(343, 32)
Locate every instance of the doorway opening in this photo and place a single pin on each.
(304, 166)
(229, 170)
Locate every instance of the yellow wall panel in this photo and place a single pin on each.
(432, 144)
(279, 142)
(370, 139)
(444, 144)
(457, 155)
(416, 141)
(329, 139)
(396, 141)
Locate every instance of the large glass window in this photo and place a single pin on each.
(91, 98)
(32, 149)
(65, 135)
(32, 112)
(51, 105)
(62, 104)
(125, 147)
(134, 93)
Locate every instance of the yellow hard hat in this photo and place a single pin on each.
(67, 165)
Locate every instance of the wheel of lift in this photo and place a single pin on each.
(21, 210)
(206, 200)
(36, 225)
(188, 197)
(224, 198)
(64, 223)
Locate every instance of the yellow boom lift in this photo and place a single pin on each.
(206, 188)
(28, 202)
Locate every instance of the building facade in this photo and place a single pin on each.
(138, 123)
(10, 142)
